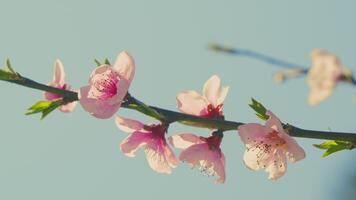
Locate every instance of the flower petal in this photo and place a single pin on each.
(125, 65)
(194, 154)
(211, 89)
(59, 74)
(251, 132)
(256, 159)
(222, 95)
(69, 107)
(277, 167)
(190, 102)
(156, 157)
(170, 156)
(323, 75)
(274, 123)
(184, 140)
(128, 125)
(294, 152)
(135, 140)
(219, 167)
(101, 109)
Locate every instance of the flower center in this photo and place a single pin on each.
(213, 142)
(158, 130)
(105, 85)
(214, 112)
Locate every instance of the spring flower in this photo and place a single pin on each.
(59, 82)
(323, 75)
(108, 86)
(268, 147)
(159, 155)
(202, 152)
(209, 104)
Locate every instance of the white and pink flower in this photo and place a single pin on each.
(207, 105)
(325, 72)
(202, 152)
(159, 155)
(60, 83)
(268, 147)
(108, 86)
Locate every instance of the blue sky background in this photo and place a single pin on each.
(75, 156)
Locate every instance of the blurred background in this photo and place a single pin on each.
(75, 156)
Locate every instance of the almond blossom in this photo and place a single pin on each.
(108, 86)
(268, 147)
(323, 75)
(209, 104)
(159, 155)
(59, 82)
(202, 152)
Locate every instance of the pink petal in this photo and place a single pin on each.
(170, 156)
(128, 125)
(317, 96)
(184, 140)
(133, 142)
(222, 95)
(294, 152)
(274, 123)
(219, 166)
(69, 107)
(211, 89)
(323, 75)
(251, 132)
(121, 91)
(190, 102)
(156, 157)
(59, 74)
(277, 166)
(194, 154)
(125, 65)
(255, 159)
(102, 109)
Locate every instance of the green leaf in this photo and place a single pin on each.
(107, 61)
(333, 146)
(97, 62)
(259, 108)
(44, 107)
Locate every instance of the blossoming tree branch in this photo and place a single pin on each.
(268, 146)
(322, 77)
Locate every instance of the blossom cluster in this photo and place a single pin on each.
(268, 147)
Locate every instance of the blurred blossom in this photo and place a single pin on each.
(323, 75)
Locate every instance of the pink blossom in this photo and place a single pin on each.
(59, 82)
(323, 75)
(108, 86)
(268, 147)
(159, 155)
(209, 104)
(202, 152)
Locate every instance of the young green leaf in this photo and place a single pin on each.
(97, 62)
(333, 146)
(107, 61)
(259, 108)
(44, 107)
